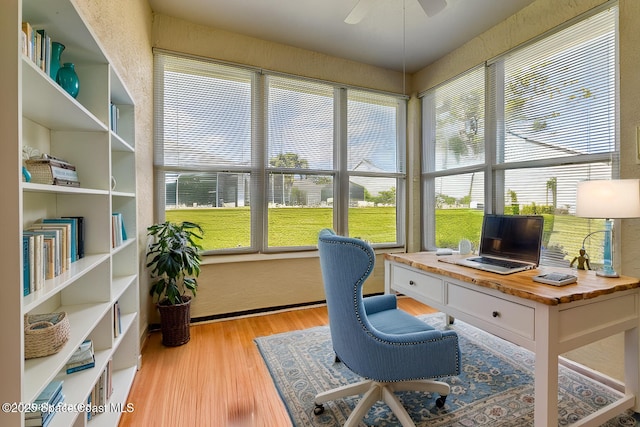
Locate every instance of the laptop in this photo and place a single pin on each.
(508, 244)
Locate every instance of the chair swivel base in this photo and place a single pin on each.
(374, 391)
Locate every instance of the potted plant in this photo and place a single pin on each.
(174, 261)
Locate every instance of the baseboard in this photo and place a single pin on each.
(153, 327)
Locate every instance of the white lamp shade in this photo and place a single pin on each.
(616, 198)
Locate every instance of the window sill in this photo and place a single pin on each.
(228, 259)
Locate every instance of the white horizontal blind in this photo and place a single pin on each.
(559, 127)
(550, 120)
(376, 164)
(236, 148)
(373, 132)
(560, 93)
(459, 122)
(206, 114)
(300, 124)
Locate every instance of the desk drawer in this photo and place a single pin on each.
(508, 315)
(417, 284)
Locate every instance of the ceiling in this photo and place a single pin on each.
(379, 39)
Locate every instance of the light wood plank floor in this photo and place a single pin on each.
(219, 378)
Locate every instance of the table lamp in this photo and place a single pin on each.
(608, 199)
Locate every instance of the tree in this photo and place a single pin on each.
(515, 207)
(552, 186)
(460, 119)
(387, 197)
(290, 161)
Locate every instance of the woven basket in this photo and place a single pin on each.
(175, 322)
(45, 334)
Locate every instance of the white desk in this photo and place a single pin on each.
(545, 319)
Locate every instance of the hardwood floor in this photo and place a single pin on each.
(219, 378)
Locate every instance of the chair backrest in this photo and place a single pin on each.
(346, 263)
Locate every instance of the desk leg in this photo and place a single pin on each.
(632, 365)
(546, 367)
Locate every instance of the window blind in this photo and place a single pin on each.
(205, 117)
(560, 93)
(550, 120)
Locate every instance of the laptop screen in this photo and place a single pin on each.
(516, 237)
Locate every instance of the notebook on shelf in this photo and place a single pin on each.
(508, 244)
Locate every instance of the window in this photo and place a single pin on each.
(263, 161)
(549, 121)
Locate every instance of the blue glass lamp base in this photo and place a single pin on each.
(607, 269)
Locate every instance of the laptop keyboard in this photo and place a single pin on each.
(498, 262)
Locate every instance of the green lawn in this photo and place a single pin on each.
(230, 227)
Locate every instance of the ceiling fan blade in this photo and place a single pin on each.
(432, 7)
(358, 12)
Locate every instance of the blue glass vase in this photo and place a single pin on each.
(68, 79)
(56, 53)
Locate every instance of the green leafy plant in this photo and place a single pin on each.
(174, 260)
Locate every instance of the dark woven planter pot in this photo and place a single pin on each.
(174, 322)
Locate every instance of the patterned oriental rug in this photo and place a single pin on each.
(495, 387)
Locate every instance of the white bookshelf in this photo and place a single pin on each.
(38, 113)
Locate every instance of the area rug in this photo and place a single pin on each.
(494, 388)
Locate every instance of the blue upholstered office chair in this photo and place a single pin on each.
(393, 350)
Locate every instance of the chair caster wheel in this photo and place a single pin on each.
(319, 409)
(440, 401)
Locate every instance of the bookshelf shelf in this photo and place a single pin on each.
(54, 189)
(99, 289)
(119, 144)
(39, 372)
(49, 105)
(54, 286)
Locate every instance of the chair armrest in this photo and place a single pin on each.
(379, 303)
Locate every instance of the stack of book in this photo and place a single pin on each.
(52, 170)
(49, 247)
(114, 116)
(83, 358)
(118, 232)
(102, 391)
(48, 399)
(36, 45)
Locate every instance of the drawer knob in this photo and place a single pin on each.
(495, 314)
(412, 283)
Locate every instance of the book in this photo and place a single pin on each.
(42, 418)
(53, 160)
(38, 265)
(556, 279)
(39, 418)
(65, 239)
(59, 232)
(118, 232)
(26, 264)
(82, 353)
(30, 36)
(73, 222)
(86, 365)
(31, 262)
(50, 392)
(79, 235)
(44, 47)
(66, 183)
(54, 239)
(49, 259)
(117, 322)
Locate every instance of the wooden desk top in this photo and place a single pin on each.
(520, 284)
